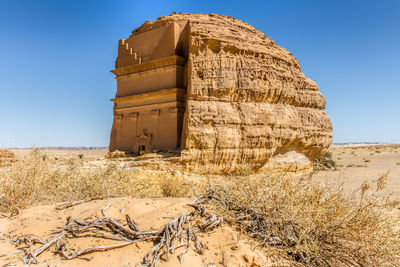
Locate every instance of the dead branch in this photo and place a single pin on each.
(75, 203)
(73, 254)
(179, 232)
(132, 224)
(31, 256)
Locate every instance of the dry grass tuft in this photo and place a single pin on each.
(312, 224)
(300, 220)
(175, 185)
(6, 157)
(34, 180)
(325, 163)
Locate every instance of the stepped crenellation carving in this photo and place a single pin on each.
(126, 55)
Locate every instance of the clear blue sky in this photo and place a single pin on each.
(55, 58)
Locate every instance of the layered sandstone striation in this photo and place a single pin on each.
(248, 105)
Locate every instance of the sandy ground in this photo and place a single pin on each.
(86, 155)
(356, 164)
(225, 246)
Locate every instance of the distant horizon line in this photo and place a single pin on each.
(62, 147)
(106, 147)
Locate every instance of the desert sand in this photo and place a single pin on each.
(357, 164)
(225, 246)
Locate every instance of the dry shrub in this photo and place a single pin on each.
(313, 224)
(325, 163)
(34, 180)
(305, 222)
(6, 157)
(174, 185)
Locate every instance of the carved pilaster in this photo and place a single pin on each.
(156, 116)
(118, 119)
(134, 118)
(155, 112)
(173, 110)
(176, 110)
(134, 115)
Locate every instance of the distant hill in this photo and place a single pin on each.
(66, 148)
(364, 143)
(357, 143)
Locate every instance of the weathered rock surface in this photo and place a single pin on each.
(248, 103)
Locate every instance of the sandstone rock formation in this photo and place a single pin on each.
(247, 103)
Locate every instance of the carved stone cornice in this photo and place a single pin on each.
(151, 65)
(179, 92)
